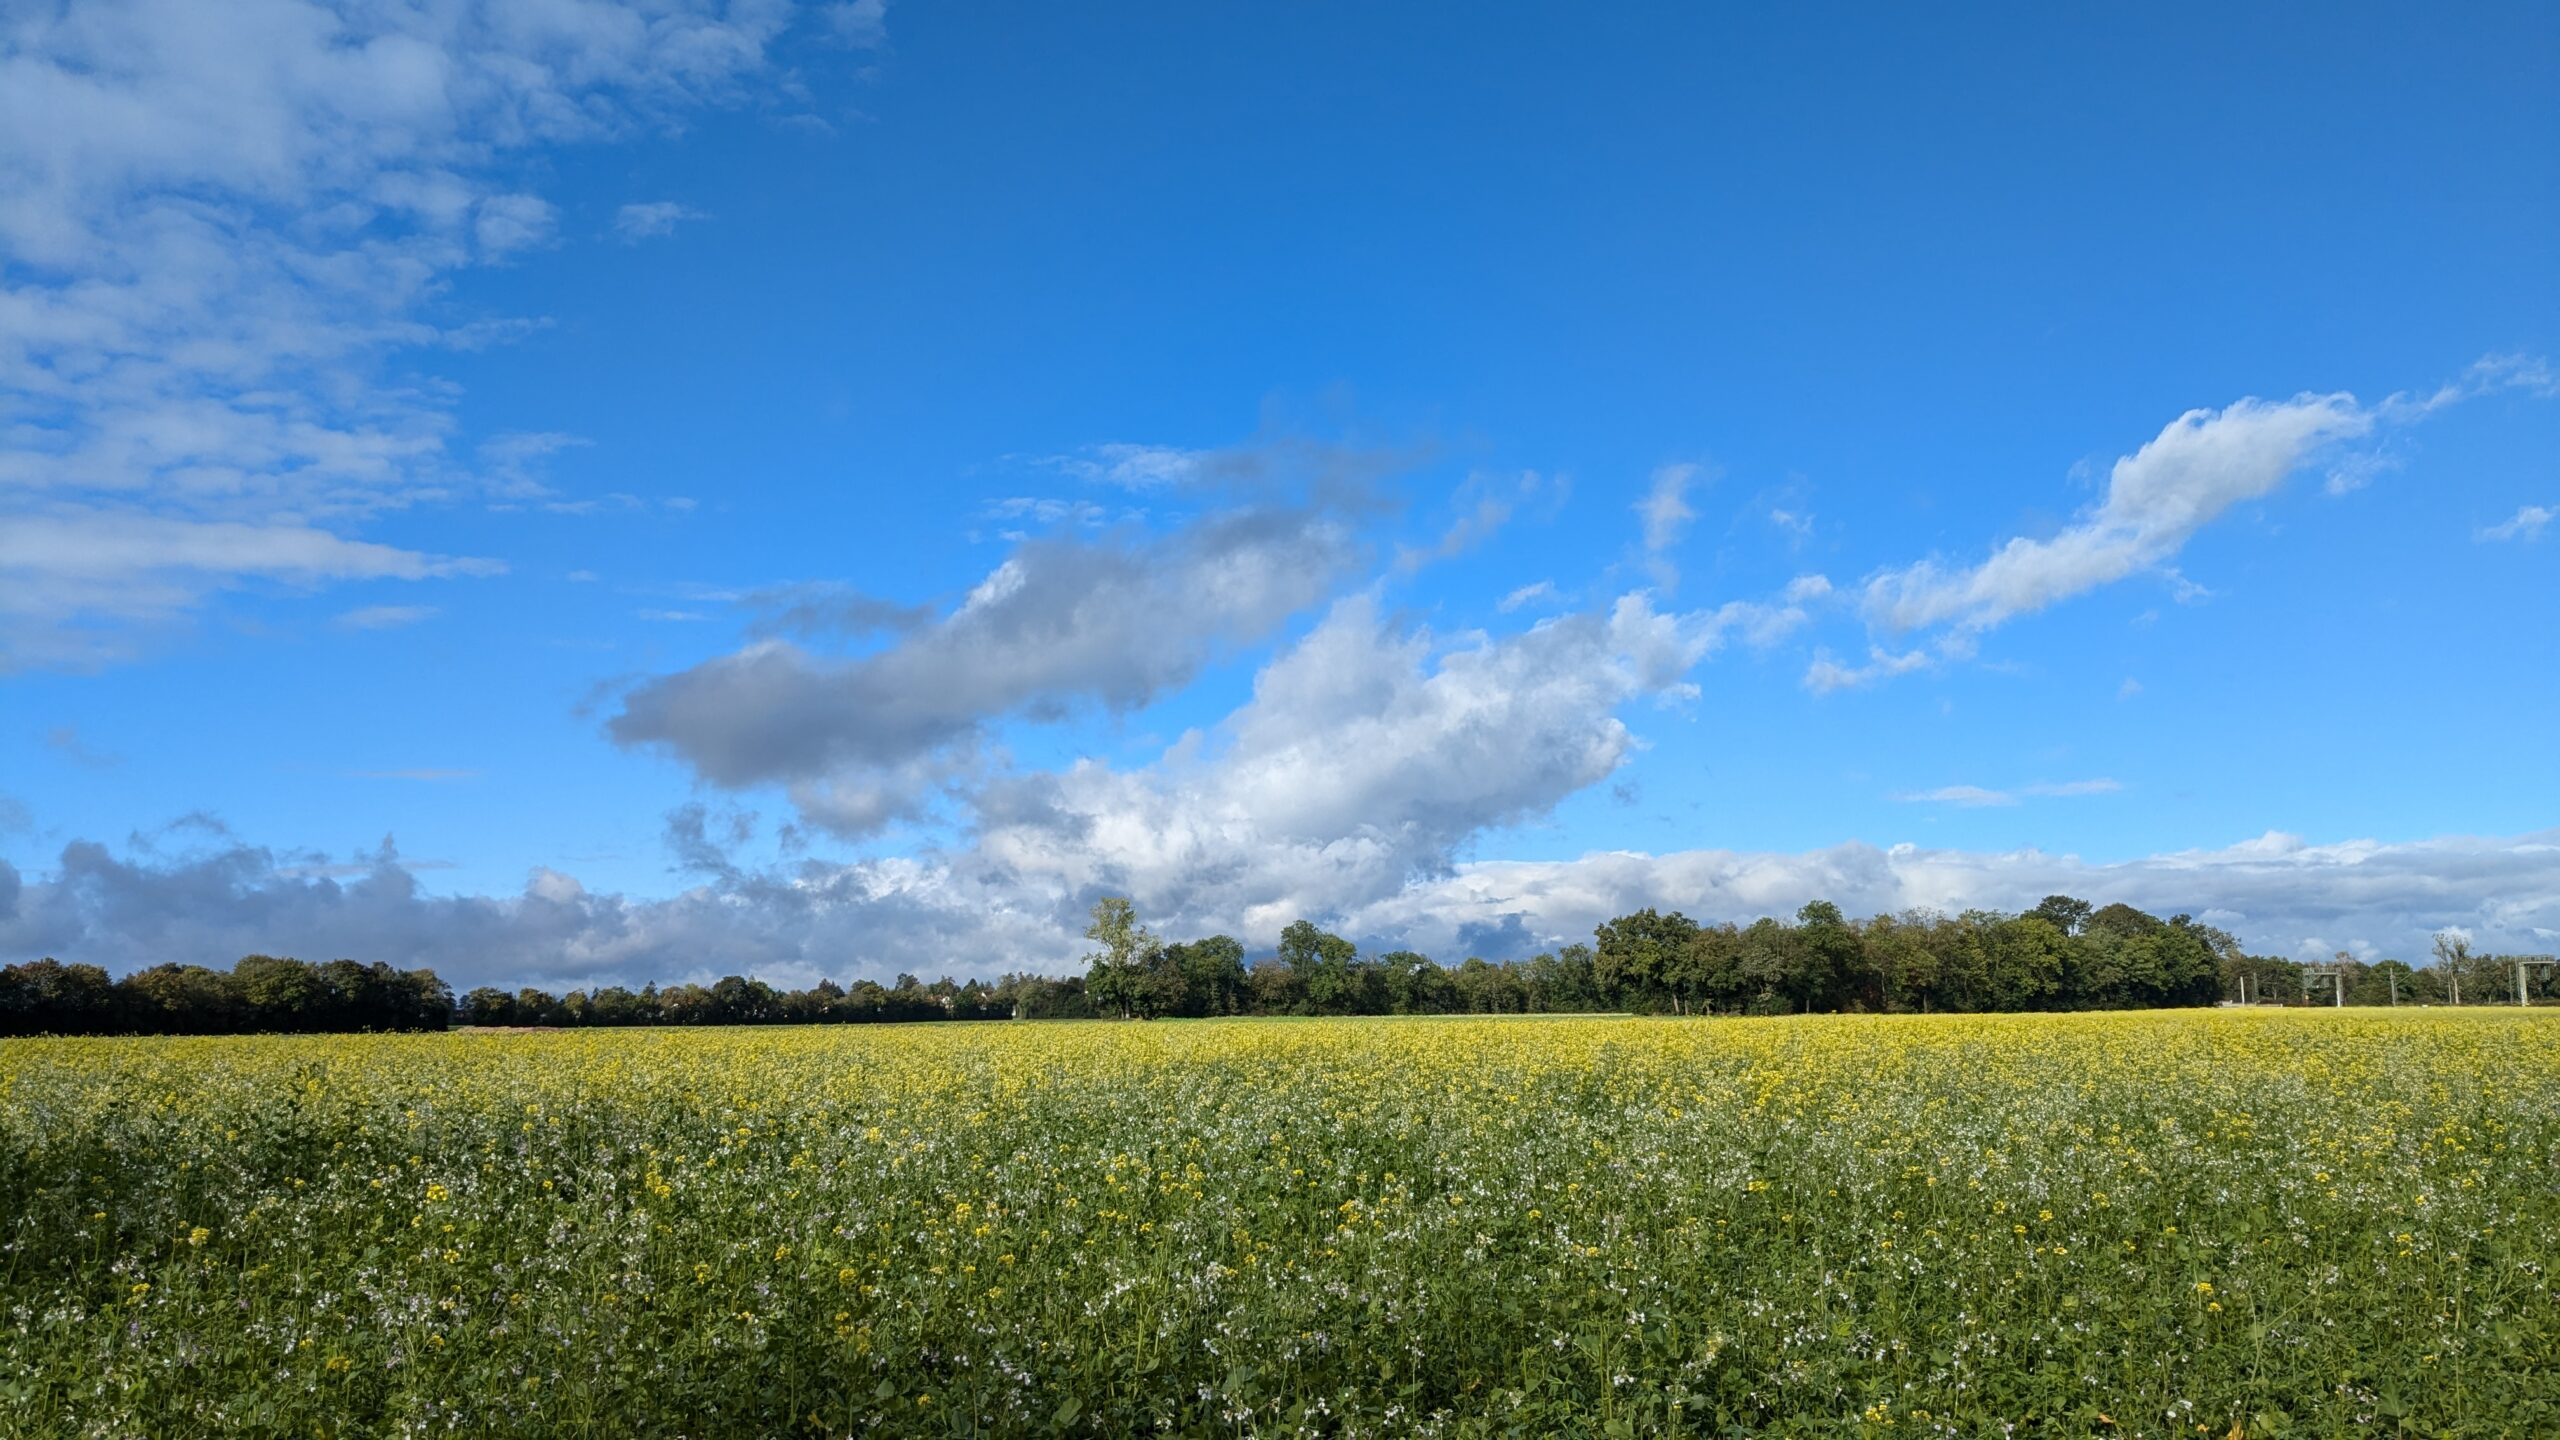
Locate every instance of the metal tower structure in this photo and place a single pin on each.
(2336, 975)
(2524, 964)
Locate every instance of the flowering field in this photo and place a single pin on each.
(2162, 1223)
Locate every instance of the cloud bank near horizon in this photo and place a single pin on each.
(976, 916)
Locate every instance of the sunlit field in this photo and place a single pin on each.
(2162, 1223)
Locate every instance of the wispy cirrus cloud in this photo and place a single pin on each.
(2526, 524)
(66, 741)
(2157, 498)
(217, 227)
(1665, 508)
(385, 617)
(1978, 797)
(75, 585)
(2197, 468)
(649, 220)
(1827, 673)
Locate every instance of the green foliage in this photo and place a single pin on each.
(2295, 1224)
(2065, 954)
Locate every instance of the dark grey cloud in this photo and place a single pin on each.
(822, 610)
(1063, 623)
(136, 909)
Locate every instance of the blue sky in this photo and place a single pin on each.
(1456, 474)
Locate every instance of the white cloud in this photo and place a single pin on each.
(1539, 592)
(1136, 467)
(1485, 505)
(1366, 756)
(1826, 674)
(509, 223)
(2202, 464)
(2130, 688)
(2526, 524)
(1971, 796)
(1762, 624)
(384, 617)
(1665, 506)
(1045, 510)
(2199, 467)
(635, 223)
(218, 224)
(1977, 796)
(71, 580)
(2099, 786)
(863, 24)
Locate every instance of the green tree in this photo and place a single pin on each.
(1830, 957)
(1641, 957)
(2026, 957)
(1114, 972)
(1322, 962)
(1903, 962)
(1213, 975)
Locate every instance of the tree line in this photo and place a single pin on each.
(262, 993)
(2064, 954)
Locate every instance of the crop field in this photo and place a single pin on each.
(2168, 1223)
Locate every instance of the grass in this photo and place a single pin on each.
(2169, 1223)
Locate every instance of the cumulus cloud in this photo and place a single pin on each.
(2525, 524)
(218, 223)
(1064, 622)
(971, 915)
(1367, 755)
